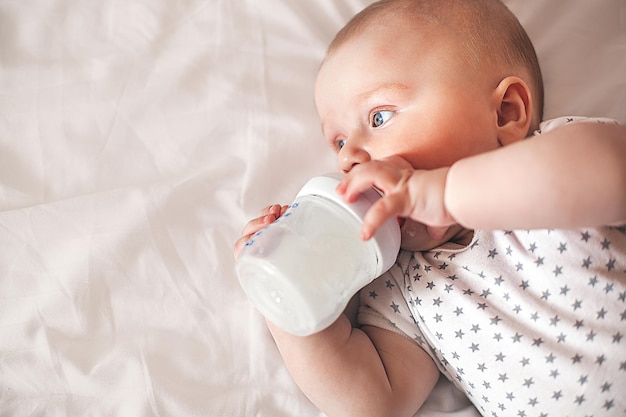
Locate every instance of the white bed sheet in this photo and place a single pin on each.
(136, 139)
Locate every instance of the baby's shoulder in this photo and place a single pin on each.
(557, 122)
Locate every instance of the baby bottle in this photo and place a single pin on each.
(301, 271)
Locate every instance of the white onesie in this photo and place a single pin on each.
(524, 322)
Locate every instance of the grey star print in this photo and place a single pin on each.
(542, 335)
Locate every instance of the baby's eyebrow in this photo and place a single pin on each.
(383, 88)
(324, 127)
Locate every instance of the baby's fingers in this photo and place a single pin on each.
(250, 229)
(389, 206)
(267, 216)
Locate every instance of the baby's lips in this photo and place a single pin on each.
(401, 221)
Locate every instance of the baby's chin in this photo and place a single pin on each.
(415, 237)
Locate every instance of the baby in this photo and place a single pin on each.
(512, 277)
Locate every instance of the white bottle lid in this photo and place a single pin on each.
(386, 240)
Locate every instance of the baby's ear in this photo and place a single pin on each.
(513, 102)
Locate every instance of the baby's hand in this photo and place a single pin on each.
(409, 193)
(268, 215)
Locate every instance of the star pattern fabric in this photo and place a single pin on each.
(523, 322)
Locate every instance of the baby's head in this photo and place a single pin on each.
(489, 34)
(435, 80)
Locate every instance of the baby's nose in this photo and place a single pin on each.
(351, 154)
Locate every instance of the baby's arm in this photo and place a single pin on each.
(572, 176)
(358, 372)
(352, 372)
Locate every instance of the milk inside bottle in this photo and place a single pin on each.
(301, 271)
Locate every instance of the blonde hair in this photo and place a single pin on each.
(490, 34)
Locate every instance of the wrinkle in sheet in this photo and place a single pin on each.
(175, 269)
(147, 379)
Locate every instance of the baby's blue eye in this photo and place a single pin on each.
(341, 143)
(381, 117)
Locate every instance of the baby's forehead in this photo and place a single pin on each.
(466, 19)
(383, 19)
(381, 45)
